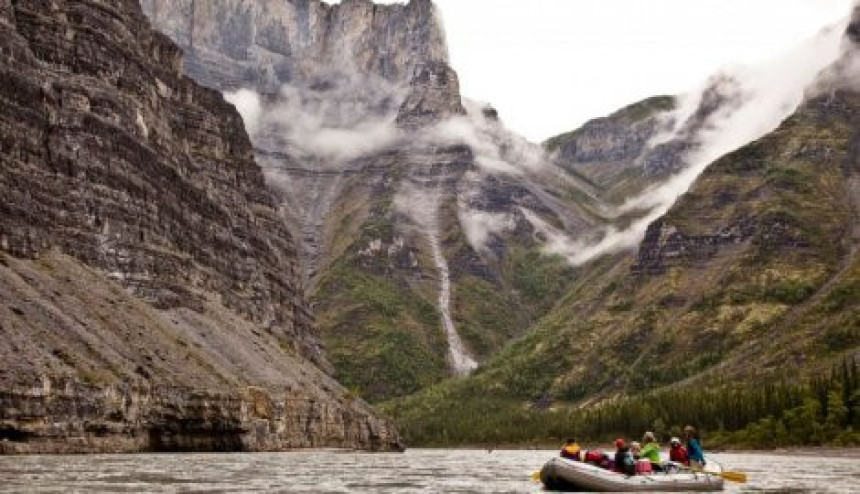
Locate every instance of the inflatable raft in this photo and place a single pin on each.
(569, 475)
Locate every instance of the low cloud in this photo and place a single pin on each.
(420, 203)
(327, 122)
(480, 226)
(757, 100)
(250, 107)
(497, 149)
(332, 121)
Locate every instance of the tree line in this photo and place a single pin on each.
(824, 410)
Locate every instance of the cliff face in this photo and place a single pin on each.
(233, 44)
(407, 208)
(325, 73)
(645, 143)
(171, 202)
(142, 246)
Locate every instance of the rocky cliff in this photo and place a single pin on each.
(234, 44)
(609, 150)
(324, 74)
(407, 201)
(150, 293)
(647, 142)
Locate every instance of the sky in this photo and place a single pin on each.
(550, 65)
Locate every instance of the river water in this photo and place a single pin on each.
(416, 470)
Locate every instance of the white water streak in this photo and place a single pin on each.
(461, 362)
(422, 205)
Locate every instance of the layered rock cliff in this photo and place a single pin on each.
(151, 297)
(408, 202)
(324, 72)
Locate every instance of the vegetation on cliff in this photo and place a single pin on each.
(750, 277)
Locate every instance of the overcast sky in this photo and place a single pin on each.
(550, 65)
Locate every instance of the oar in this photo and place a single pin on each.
(738, 477)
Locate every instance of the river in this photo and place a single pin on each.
(417, 470)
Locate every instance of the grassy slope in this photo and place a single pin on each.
(377, 308)
(781, 299)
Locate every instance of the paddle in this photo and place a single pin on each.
(738, 477)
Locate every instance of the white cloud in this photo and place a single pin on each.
(249, 105)
(759, 99)
(350, 118)
(549, 65)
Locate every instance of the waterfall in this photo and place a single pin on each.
(460, 361)
(420, 200)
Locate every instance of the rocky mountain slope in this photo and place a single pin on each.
(432, 237)
(149, 287)
(751, 276)
(421, 218)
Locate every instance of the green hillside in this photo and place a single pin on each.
(752, 277)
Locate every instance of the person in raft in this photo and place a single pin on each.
(694, 448)
(570, 450)
(651, 450)
(677, 452)
(624, 462)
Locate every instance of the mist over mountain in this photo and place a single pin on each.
(391, 180)
(748, 276)
(398, 187)
(229, 222)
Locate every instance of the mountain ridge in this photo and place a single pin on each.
(749, 277)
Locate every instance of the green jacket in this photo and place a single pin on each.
(651, 451)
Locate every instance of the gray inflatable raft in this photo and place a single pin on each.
(569, 475)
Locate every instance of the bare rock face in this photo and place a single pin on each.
(319, 67)
(266, 43)
(135, 225)
(113, 156)
(434, 95)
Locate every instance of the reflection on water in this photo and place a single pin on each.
(327, 471)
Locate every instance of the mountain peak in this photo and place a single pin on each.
(263, 44)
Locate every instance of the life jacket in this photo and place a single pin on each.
(644, 467)
(593, 456)
(679, 454)
(624, 461)
(694, 451)
(571, 452)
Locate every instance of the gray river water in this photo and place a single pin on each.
(327, 471)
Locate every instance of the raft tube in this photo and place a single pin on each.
(568, 475)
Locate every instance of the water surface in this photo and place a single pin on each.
(416, 470)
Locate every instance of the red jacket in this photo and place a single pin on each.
(679, 454)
